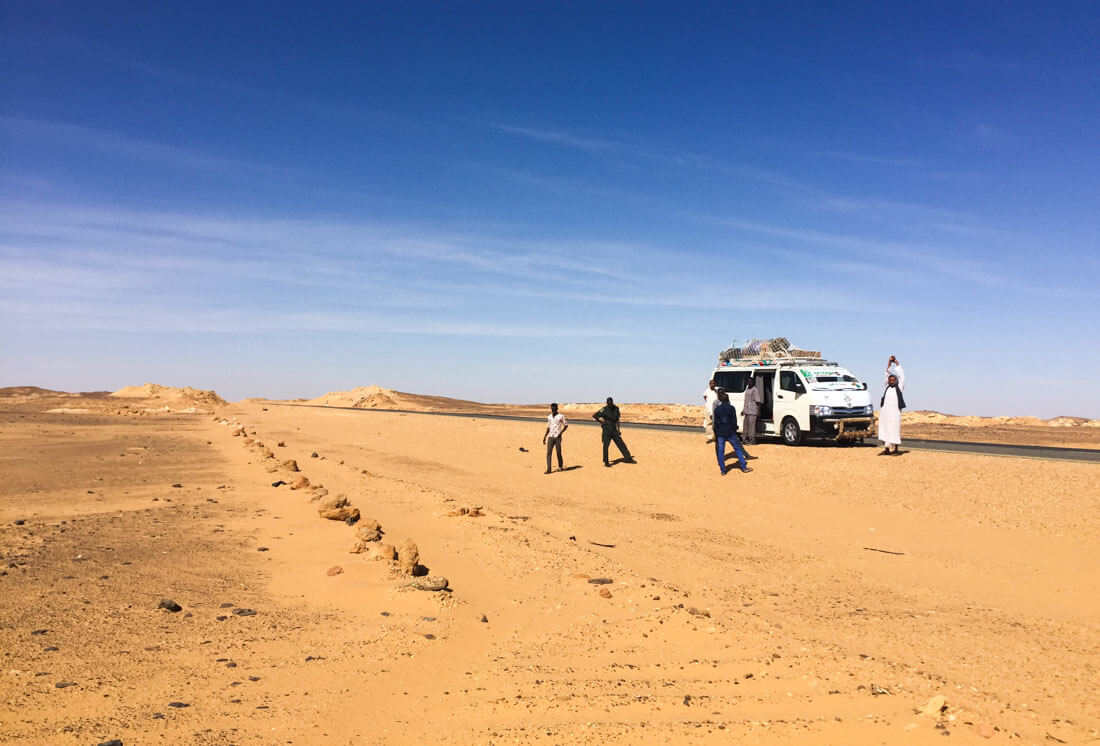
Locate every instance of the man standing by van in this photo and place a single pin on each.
(608, 417)
(725, 431)
(890, 406)
(710, 399)
(555, 427)
(753, 399)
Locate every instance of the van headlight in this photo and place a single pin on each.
(868, 409)
(819, 410)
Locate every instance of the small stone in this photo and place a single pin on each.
(39, 631)
(64, 684)
(935, 706)
(698, 612)
(290, 465)
(51, 649)
(169, 605)
(230, 664)
(484, 619)
(332, 503)
(179, 704)
(253, 678)
(19, 521)
(369, 530)
(385, 552)
(244, 612)
(334, 570)
(341, 514)
(158, 716)
(605, 593)
(262, 549)
(430, 583)
(281, 444)
(112, 742)
(601, 581)
(177, 485)
(280, 483)
(408, 557)
(299, 484)
(313, 455)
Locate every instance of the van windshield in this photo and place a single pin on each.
(834, 381)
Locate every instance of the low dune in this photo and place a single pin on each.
(169, 394)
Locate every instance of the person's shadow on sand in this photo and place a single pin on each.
(571, 468)
(621, 460)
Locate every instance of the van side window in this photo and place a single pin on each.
(788, 381)
(733, 381)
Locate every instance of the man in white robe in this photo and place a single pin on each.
(893, 401)
(710, 399)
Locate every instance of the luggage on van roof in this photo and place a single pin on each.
(777, 348)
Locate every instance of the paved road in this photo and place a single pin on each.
(949, 446)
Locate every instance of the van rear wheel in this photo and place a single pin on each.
(792, 433)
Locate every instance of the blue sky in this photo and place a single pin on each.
(522, 202)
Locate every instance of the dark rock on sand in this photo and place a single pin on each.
(170, 605)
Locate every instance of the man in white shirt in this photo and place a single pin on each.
(710, 399)
(555, 426)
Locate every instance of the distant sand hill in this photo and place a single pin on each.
(170, 394)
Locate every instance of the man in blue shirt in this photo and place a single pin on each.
(725, 430)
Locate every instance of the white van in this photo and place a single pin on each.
(804, 397)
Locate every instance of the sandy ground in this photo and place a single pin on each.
(823, 598)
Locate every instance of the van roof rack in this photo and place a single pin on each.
(777, 350)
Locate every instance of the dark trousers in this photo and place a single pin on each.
(750, 429)
(720, 450)
(551, 444)
(612, 435)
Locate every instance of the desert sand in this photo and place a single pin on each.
(830, 596)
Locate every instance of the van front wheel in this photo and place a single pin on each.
(792, 433)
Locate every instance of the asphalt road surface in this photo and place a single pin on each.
(1049, 453)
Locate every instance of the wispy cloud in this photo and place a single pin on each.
(968, 61)
(60, 135)
(563, 138)
(634, 151)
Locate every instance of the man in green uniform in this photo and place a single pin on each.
(608, 417)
